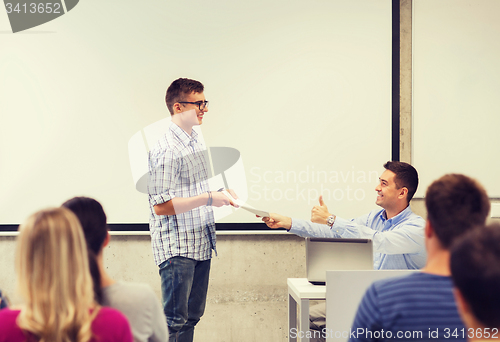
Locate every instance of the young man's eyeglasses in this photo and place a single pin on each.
(201, 104)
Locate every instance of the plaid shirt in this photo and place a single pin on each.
(178, 168)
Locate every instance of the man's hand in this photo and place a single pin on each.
(319, 213)
(278, 221)
(231, 191)
(219, 199)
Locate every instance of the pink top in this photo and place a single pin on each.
(110, 325)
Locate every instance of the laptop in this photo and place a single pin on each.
(325, 254)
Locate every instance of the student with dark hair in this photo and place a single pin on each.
(475, 270)
(397, 233)
(137, 301)
(420, 307)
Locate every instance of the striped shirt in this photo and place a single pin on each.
(398, 242)
(418, 307)
(178, 167)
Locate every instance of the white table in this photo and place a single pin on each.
(301, 291)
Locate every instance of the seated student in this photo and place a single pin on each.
(3, 301)
(137, 301)
(475, 270)
(54, 279)
(420, 306)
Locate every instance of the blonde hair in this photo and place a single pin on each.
(54, 278)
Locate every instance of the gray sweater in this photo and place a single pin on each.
(141, 306)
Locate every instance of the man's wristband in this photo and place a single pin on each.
(209, 202)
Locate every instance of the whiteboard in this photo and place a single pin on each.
(456, 87)
(301, 89)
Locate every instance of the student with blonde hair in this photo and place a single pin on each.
(54, 280)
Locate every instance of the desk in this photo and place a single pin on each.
(300, 291)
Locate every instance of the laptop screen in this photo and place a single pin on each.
(324, 254)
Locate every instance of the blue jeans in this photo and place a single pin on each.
(184, 285)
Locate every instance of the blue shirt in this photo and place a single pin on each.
(419, 307)
(178, 168)
(398, 242)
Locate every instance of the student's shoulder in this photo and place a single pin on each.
(8, 327)
(108, 317)
(137, 292)
(412, 283)
(8, 316)
(109, 314)
(388, 284)
(134, 287)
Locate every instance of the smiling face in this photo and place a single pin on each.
(388, 195)
(194, 118)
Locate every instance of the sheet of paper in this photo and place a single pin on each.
(245, 206)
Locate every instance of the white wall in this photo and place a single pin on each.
(301, 89)
(456, 81)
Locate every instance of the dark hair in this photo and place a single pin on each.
(475, 269)
(93, 221)
(455, 204)
(3, 301)
(179, 89)
(406, 176)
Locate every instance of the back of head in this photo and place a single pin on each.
(475, 269)
(53, 276)
(406, 176)
(179, 89)
(455, 204)
(93, 221)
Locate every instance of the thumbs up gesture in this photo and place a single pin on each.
(319, 213)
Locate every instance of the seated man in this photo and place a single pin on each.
(420, 307)
(397, 233)
(475, 270)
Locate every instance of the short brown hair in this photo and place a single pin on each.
(475, 270)
(178, 90)
(455, 204)
(406, 176)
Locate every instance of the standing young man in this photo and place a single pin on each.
(181, 220)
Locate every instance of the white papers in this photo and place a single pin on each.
(245, 206)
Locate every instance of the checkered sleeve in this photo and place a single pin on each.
(164, 175)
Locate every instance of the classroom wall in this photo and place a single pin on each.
(247, 298)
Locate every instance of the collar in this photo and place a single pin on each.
(184, 138)
(398, 218)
